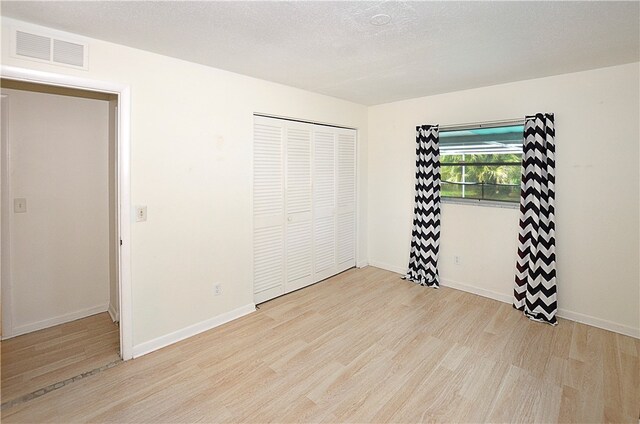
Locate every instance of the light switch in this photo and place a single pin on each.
(20, 205)
(141, 213)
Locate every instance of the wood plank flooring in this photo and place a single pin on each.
(366, 346)
(35, 360)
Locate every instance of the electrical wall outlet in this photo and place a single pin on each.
(217, 289)
(457, 260)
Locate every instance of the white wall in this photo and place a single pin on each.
(597, 126)
(192, 129)
(59, 247)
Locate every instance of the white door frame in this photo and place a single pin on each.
(124, 179)
(7, 318)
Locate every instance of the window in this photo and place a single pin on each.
(481, 163)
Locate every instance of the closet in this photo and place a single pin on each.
(304, 198)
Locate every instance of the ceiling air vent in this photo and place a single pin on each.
(50, 49)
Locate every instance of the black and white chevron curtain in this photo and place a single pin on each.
(535, 282)
(425, 237)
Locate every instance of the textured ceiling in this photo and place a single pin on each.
(331, 48)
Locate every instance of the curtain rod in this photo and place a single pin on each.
(484, 124)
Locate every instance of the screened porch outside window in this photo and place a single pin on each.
(481, 164)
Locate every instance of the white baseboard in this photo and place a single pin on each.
(361, 264)
(60, 319)
(562, 313)
(476, 290)
(506, 298)
(600, 323)
(115, 315)
(192, 330)
(392, 268)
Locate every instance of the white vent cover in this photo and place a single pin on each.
(49, 49)
(32, 45)
(68, 53)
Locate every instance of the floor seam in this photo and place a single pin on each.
(55, 386)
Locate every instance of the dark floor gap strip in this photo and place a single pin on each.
(55, 386)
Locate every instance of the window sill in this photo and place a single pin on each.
(484, 203)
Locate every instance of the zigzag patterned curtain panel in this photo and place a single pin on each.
(425, 238)
(535, 282)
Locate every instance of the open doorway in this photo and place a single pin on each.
(60, 237)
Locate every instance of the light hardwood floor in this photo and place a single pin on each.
(366, 346)
(36, 360)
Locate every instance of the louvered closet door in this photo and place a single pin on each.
(324, 202)
(268, 209)
(298, 240)
(346, 199)
(304, 192)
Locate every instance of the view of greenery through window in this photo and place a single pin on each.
(462, 176)
(481, 164)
